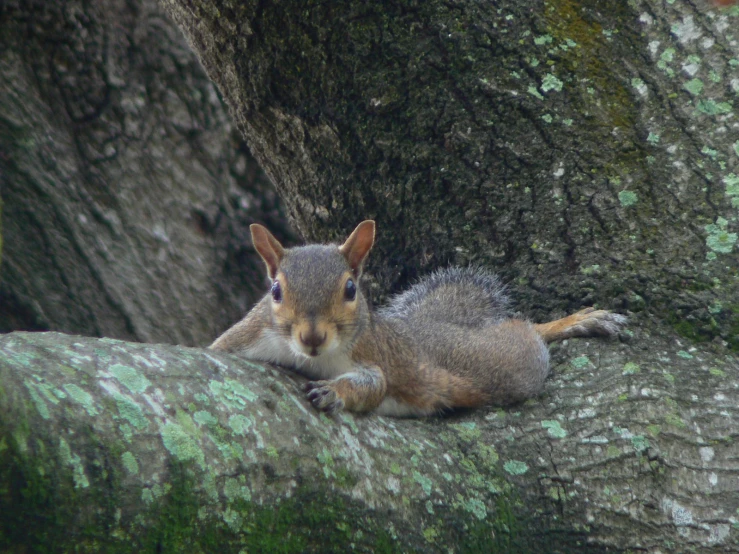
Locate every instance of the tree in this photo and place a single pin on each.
(127, 194)
(584, 150)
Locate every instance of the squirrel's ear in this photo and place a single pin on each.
(268, 246)
(358, 245)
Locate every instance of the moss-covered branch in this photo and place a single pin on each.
(108, 446)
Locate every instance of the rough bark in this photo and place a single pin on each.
(127, 193)
(113, 447)
(587, 150)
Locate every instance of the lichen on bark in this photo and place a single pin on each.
(108, 444)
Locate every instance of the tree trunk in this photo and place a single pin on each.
(126, 193)
(113, 447)
(586, 150)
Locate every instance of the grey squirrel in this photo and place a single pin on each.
(448, 342)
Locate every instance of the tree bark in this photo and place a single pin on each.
(113, 447)
(127, 194)
(586, 150)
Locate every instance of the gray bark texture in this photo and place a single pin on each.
(585, 150)
(127, 194)
(108, 446)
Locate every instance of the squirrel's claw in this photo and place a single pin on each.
(323, 396)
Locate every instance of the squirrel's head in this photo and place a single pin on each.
(316, 303)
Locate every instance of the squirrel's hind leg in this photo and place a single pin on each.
(585, 323)
(431, 390)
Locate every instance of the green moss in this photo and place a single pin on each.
(315, 518)
(345, 479)
(674, 420)
(695, 329)
(430, 534)
(566, 22)
(630, 368)
(733, 338)
(53, 488)
(309, 521)
(509, 533)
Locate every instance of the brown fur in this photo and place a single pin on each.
(447, 343)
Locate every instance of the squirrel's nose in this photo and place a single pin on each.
(313, 339)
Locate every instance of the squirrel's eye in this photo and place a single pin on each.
(350, 291)
(276, 292)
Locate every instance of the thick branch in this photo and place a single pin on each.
(109, 445)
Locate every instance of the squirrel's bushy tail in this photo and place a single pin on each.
(465, 296)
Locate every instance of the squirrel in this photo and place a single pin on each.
(448, 342)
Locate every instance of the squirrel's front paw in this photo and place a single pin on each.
(323, 396)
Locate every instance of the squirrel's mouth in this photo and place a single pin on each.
(306, 351)
(313, 352)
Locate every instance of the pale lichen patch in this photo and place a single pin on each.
(551, 82)
(82, 397)
(627, 198)
(75, 462)
(240, 424)
(39, 402)
(181, 445)
(203, 417)
(516, 467)
(129, 378)
(128, 410)
(130, 463)
(719, 239)
(231, 393)
(554, 429)
(630, 368)
(424, 481)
